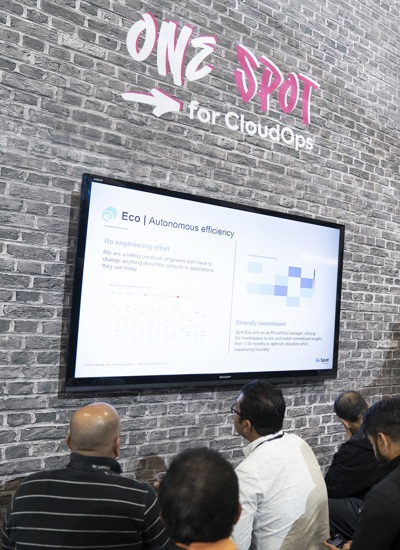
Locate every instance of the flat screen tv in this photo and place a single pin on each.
(173, 289)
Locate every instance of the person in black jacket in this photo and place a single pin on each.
(378, 526)
(354, 469)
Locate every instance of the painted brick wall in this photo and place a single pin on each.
(63, 68)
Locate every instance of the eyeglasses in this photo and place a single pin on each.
(234, 411)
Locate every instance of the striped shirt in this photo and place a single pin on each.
(85, 505)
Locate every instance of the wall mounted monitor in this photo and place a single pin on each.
(174, 289)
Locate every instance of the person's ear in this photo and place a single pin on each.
(383, 443)
(68, 441)
(117, 446)
(238, 513)
(246, 425)
(345, 423)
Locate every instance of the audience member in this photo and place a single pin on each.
(354, 469)
(378, 527)
(87, 504)
(199, 500)
(282, 491)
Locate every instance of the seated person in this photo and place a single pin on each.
(199, 500)
(281, 488)
(354, 469)
(378, 525)
(88, 503)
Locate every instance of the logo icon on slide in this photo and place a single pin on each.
(109, 214)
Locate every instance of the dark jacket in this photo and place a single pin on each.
(379, 525)
(354, 469)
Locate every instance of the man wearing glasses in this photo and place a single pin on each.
(282, 491)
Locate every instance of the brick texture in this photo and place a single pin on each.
(63, 68)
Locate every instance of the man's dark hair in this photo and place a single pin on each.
(384, 417)
(350, 405)
(263, 404)
(199, 497)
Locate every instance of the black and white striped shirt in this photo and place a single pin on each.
(85, 505)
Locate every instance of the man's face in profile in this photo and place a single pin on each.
(236, 419)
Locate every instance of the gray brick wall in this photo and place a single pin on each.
(63, 68)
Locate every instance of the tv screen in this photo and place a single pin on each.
(174, 289)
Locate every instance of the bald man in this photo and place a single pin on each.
(87, 504)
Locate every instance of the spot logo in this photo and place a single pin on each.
(109, 214)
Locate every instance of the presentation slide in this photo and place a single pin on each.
(172, 286)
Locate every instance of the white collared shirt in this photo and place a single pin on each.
(283, 496)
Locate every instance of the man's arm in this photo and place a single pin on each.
(353, 470)
(338, 473)
(249, 487)
(154, 532)
(6, 542)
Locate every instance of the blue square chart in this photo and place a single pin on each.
(293, 283)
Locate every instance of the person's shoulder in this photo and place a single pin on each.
(126, 480)
(360, 441)
(293, 440)
(292, 437)
(44, 474)
(248, 467)
(112, 478)
(302, 450)
(146, 488)
(266, 449)
(356, 445)
(135, 484)
(386, 490)
(41, 477)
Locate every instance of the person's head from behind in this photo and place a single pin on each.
(350, 407)
(382, 425)
(199, 497)
(95, 431)
(259, 410)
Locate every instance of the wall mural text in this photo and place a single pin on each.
(186, 58)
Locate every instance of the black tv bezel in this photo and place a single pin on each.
(129, 384)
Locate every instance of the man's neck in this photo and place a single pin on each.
(253, 436)
(223, 544)
(395, 453)
(97, 454)
(258, 436)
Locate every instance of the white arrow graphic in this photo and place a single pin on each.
(163, 102)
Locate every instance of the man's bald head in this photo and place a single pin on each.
(95, 430)
(350, 405)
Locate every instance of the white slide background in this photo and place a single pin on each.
(159, 300)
